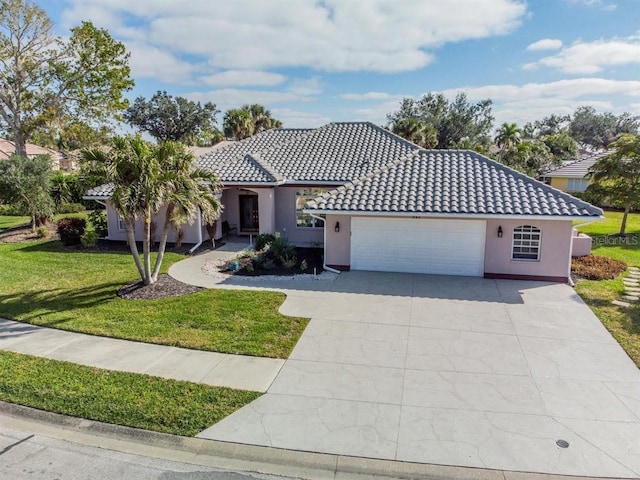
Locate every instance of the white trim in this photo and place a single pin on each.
(477, 216)
(324, 248)
(539, 246)
(119, 219)
(97, 198)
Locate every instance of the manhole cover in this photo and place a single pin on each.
(562, 444)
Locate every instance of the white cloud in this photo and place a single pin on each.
(152, 62)
(545, 44)
(306, 86)
(243, 78)
(592, 57)
(370, 96)
(532, 101)
(524, 103)
(298, 119)
(226, 98)
(596, 3)
(388, 35)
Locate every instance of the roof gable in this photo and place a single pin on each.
(456, 182)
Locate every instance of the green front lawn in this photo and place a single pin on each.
(134, 400)
(623, 323)
(10, 221)
(45, 284)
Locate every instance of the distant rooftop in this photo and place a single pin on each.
(577, 168)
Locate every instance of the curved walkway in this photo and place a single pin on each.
(210, 368)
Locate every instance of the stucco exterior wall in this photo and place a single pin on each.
(581, 244)
(555, 249)
(285, 220)
(190, 231)
(338, 244)
(559, 182)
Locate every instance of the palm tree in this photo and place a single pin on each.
(507, 136)
(238, 124)
(416, 131)
(144, 179)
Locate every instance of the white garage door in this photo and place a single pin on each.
(425, 245)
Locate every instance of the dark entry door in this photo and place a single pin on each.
(249, 213)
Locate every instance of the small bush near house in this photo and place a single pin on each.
(70, 208)
(71, 230)
(98, 219)
(595, 267)
(89, 239)
(263, 240)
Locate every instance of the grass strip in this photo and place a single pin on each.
(130, 399)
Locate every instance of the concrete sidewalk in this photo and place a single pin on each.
(210, 368)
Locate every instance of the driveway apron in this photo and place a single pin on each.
(450, 370)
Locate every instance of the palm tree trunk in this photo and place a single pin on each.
(163, 242)
(131, 240)
(146, 248)
(623, 226)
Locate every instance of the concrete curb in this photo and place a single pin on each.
(231, 456)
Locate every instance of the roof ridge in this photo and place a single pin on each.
(257, 159)
(527, 178)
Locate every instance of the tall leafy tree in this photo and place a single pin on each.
(616, 177)
(168, 118)
(550, 125)
(598, 130)
(248, 120)
(25, 182)
(43, 77)
(561, 145)
(147, 177)
(455, 122)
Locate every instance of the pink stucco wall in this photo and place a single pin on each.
(555, 249)
(555, 252)
(285, 220)
(581, 244)
(338, 251)
(190, 230)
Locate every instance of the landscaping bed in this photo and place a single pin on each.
(312, 258)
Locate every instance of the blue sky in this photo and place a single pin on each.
(315, 61)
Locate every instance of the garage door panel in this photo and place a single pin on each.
(435, 246)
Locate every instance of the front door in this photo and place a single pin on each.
(249, 214)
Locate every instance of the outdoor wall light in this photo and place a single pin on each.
(500, 231)
(337, 227)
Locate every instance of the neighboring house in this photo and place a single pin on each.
(572, 176)
(59, 160)
(378, 202)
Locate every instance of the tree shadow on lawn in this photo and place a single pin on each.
(55, 246)
(29, 307)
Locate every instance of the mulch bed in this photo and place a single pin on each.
(313, 256)
(164, 287)
(24, 234)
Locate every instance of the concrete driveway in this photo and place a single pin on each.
(450, 370)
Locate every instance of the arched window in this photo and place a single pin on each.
(526, 243)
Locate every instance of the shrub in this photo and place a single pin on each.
(263, 240)
(42, 232)
(71, 230)
(304, 265)
(70, 208)
(89, 239)
(269, 264)
(595, 267)
(98, 219)
(289, 261)
(281, 250)
(11, 210)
